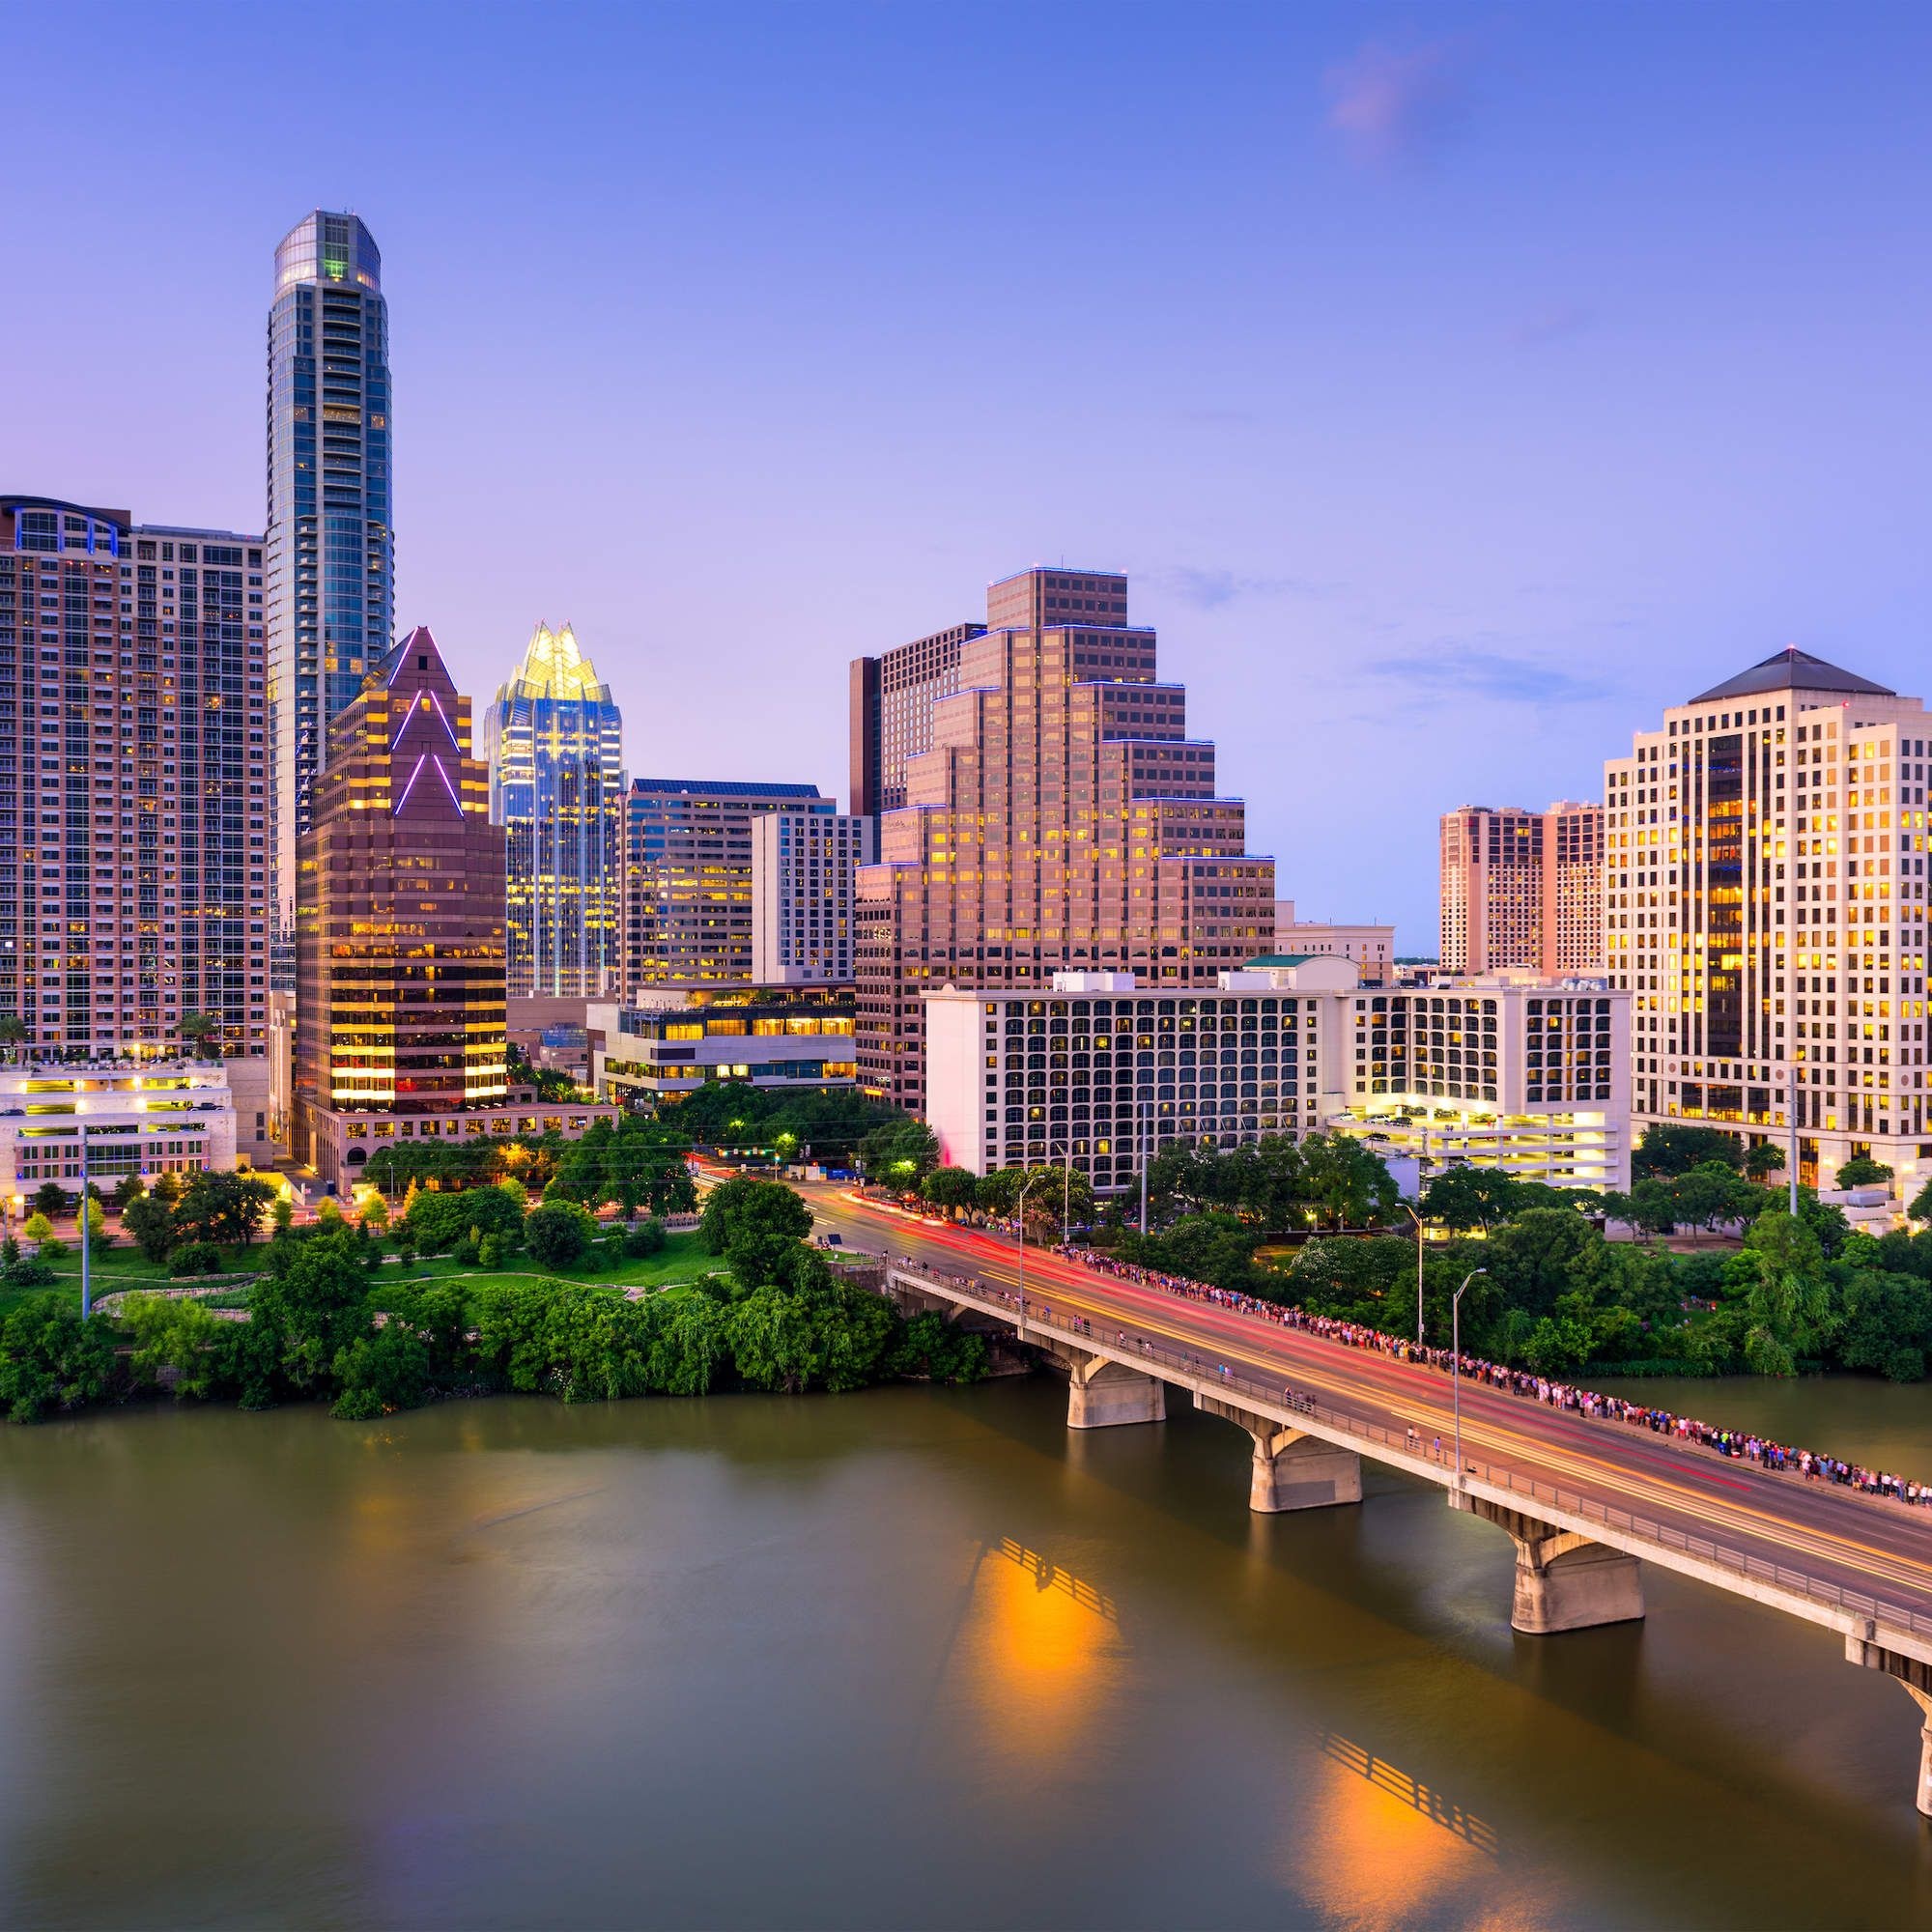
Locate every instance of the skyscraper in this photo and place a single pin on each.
(892, 701)
(134, 887)
(1765, 903)
(804, 867)
(331, 548)
(553, 741)
(399, 945)
(1521, 889)
(1060, 819)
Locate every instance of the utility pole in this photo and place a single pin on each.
(1791, 1130)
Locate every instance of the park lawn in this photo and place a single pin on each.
(113, 1269)
(684, 1259)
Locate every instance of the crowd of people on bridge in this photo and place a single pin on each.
(1784, 1457)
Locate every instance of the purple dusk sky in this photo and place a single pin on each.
(1458, 386)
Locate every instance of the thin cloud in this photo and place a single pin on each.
(1212, 589)
(1552, 324)
(1392, 104)
(1492, 676)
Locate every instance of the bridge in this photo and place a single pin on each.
(1585, 1502)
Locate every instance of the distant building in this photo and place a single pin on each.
(666, 1044)
(554, 743)
(687, 908)
(400, 1002)
(1766, 905)
(892, 701)
(1370, 947)
(1522, 890)
(331, 541)
(1529, 1076)
(135, 878)
(803, 868)
(161, 1116)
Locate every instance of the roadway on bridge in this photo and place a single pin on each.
(1881, 1549)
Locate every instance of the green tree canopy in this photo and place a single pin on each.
(1671, 1147)
(754, 1225)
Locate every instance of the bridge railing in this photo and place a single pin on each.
(1417, 1446)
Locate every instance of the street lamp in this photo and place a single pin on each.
(1417, 1219)
(1036, 1174)
(1066, 1197)
(1456, 1365)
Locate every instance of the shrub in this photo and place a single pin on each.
(490, 1252)
(646, 1238)
(195, 1258)
(559, 1234)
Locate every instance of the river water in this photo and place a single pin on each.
(910, 1658)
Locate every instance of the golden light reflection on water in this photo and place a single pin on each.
(1037, 1653)
(1377, 1849)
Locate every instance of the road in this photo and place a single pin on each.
(1878, 1547)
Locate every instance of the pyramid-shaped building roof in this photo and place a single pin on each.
(1793, 669)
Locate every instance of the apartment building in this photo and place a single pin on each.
(1521, 890)
(804, 867)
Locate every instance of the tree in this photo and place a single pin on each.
(1712, 1193)
(202, 1032)
(37, 1229)
(52, 1199)
(1887, 1323)
(51, 1359)
(96, 1223)
(1764, 1160)
(314, 1300)
(178, 1337)
(384, 1370)
(559, 1234)
(809, 1330)
(1344, 1182)
(1535, 1260)
(756, 1225)
(127, 1190)
(226, 1207)
(1463, 1198)
(150, 1221)
(900, 1153)
(951, 1189)
(437, 1222)
(1861, 1171)
(194, 1258)
(1669, 1148)
(14, 1035)
(1787, 1303)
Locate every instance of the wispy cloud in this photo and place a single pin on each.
(1491, 676)
(1211, 589)
(1392, 104)
(1552, 324)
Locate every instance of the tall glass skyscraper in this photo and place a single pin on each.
(556, 746)
(331, 547)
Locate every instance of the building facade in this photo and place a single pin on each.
(1061, 819)
(803, 865)
(1765, 907)
(161, 1117)
(892, 701)
(668, 1044)
(1370, 947)
(1521, 890)
(1527, 1075)
(400, 996)
(688, 904)
(134, 886)
(331, 541)
(553, 741)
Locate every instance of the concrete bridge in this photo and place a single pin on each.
(1578, 1550)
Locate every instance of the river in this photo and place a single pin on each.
(911, 1658)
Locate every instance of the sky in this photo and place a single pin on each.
(1458, 385)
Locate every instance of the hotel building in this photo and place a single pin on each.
(133, 875)
(1525, 1075)
(554, 743)
(667, 1043)
(1765, 906)
(688, 900)
(803, 867)
(1370, 947)
(331, 543)
(1063, 819)
(1522, 890)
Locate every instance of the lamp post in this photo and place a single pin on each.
(86, 1285)
(1417, 1219)
(1143, 1135)
(1791, 1131)
(1024, 1187)
(1456, 1365)
(1067, 1194)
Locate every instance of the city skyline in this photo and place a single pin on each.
(1423, 496)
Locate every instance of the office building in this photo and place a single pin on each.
(1522, 891)
(1765, 906)
(668, 1041)
(331, 547)
(804, 864)
(1063, 819)
(892, 701)
(688, 907)
(1527, 1075)
(159, 1116)
(134, 889)
(1370, 947)
(554, 743)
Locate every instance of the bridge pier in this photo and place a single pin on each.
(1291, 1470)
(1103, 1394)
(1915, 1678)
(1563, 1580)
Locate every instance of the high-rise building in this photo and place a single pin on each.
(399, 944)
(892, 701)
(331, 543)
(554, 745)
(1521, 889)
(133, 875)
(1765, 900)
(1061, 819)
(804, 864)
(688, 906)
